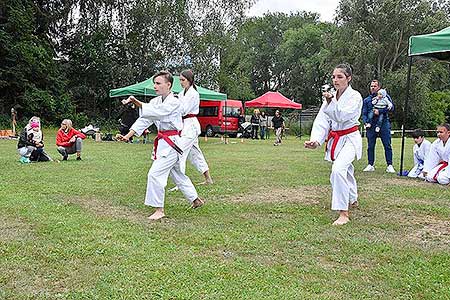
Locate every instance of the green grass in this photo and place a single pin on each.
(78, 230)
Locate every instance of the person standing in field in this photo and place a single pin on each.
(165, 112)
(337, 124)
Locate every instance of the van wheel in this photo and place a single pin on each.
(209, 131)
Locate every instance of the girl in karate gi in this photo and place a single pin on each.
(165, 112)
(420, 151)
(435, 168)
(190, 100)
(337, 123)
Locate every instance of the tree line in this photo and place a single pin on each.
(60, 58)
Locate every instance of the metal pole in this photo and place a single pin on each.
(405, 109)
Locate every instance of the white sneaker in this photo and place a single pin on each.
(390, 169)
(369, 168)
(174, 189)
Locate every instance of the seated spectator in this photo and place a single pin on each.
(69, 140)
(31, 143)
(436, 162)
(420, 151)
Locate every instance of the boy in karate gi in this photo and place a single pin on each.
(436, 162)
(165, 112)
(420, 151)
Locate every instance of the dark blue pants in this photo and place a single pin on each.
(385, 135)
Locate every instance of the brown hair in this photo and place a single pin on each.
(166, 75)
(346, 68)
(445, 125)
(189, 75)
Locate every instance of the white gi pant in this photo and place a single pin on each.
(443, 176)
(157, 177)
(342, 178)
(197, 158)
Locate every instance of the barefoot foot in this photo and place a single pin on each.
(341, 220)
(197, 203)
(157, 215)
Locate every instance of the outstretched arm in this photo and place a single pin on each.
(132, 100)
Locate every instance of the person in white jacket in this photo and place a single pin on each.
(337, 124)
(190, 100)
(435, 168)
(420, 151)
(165, 112)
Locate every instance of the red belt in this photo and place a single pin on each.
(189, 116)
(443, 165)
(165, 136)
(336, 135)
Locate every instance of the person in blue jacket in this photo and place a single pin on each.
(384, 130)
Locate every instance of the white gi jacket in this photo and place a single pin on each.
(339, 115)
(190, 102)
(438, 152)
(166, 115)
(420, 153)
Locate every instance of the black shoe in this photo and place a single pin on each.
(79, 158)
(64, 157)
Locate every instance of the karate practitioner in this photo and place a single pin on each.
(436, 163)
(420, 151)
(190, 100)
(337, 123)
(165, 112)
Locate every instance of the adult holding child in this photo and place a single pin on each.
(337, 123)
(165, 111)
(31, 142)
(69, 140)
(370, 117)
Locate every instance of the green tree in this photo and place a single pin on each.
(29, 75)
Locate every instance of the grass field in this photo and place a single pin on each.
(78, 230)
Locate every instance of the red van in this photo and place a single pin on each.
(220, 116)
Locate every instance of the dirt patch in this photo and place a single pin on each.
(311, 195)
(430, 231)
(12, 229)
(109, 210)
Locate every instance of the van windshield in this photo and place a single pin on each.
(232, 111)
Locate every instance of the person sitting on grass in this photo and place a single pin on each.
(69, 140)
(31, 142)
(420, 151)
(436, 162)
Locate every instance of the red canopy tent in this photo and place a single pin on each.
(273, 99)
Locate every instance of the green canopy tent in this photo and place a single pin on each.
(434, 45)
(145, 88)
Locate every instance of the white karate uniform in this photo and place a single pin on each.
(438, 152)
(191, 130)
(419, 153)
(341, 115)
(166, 115)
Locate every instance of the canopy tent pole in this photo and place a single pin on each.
(405, 109)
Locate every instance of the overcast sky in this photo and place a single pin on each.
(326, 8)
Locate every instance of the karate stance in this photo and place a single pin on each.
(337, 123)
(436, 163)
(165, 112)
(190, 100)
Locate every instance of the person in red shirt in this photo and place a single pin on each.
(69, 140)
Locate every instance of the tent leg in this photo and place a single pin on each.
(405, 109)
